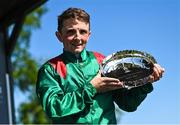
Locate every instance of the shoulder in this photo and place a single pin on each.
(98, 56)
(56, 61)
(59, 65)
(56, 64)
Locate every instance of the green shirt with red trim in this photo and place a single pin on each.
(67, 96)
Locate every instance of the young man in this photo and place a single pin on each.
(70, 86)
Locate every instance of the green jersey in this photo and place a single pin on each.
(67, 96)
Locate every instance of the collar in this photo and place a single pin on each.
(71, 57)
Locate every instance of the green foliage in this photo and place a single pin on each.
(32, 113)
(25, 70)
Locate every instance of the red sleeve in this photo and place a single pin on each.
(99, 57)
(59, 66)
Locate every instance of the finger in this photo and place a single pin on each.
(113, 86)
(159, 68)
(108, 79)
(151, 79)
(156, 73)
(116, 83)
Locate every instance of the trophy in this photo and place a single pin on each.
(132, 67)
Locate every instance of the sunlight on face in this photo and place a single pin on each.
(75, 35)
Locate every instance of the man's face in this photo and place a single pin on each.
(74, 35)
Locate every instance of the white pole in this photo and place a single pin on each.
(9, 98)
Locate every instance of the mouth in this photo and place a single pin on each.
(77, 44)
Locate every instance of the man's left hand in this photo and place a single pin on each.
(157, 73)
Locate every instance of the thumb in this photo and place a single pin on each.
(99, 74)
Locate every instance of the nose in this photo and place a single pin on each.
(77, 35)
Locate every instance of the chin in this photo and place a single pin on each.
(78, 51)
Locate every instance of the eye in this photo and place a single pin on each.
(82, 31)
(70, 32)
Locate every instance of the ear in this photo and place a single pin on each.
(59, 36)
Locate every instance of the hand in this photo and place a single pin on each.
(157, 73)
(104, 84)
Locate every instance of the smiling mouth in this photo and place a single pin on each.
(79, 44)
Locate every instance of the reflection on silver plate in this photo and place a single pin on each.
(130, 66)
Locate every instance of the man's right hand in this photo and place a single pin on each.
(104, 84)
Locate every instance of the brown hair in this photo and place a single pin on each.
(75, 13)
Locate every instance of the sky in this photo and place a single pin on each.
(147, 25)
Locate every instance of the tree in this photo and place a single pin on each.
(25, 70)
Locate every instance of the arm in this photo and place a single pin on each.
(58, 104)
(129, 100)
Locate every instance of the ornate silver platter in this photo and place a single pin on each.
(133, 67)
